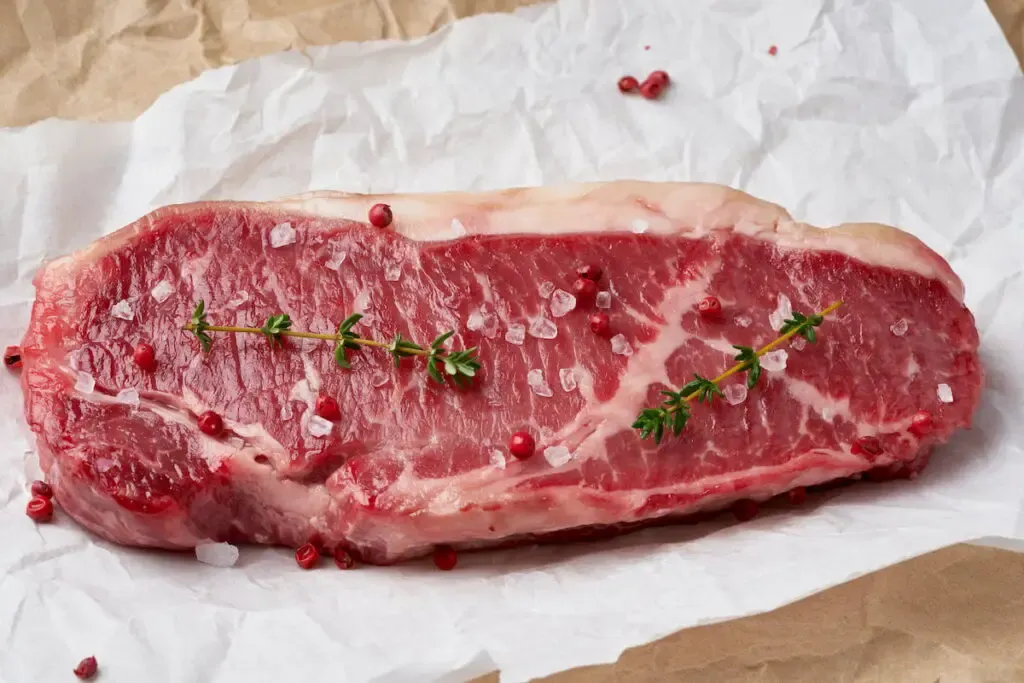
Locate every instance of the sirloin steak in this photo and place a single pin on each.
(412, 464)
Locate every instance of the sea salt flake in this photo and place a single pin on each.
(542, 328)
(735, 393)
(392, 272)
(535, 378)
(239, 299)
(515, 334)
(123, 310)
(162, 292)
(621, 346)
(217, 554)
(129, 397)
(380, 379)
(337, 258)
(775, 361)
(84, 382)
(562, 302)
(945, 393)
(743, 320)
(900, 327)
(458, 228)
(639, 226)
(567, 376)
(557, 455)
(497, 459)
(281, 235)
(798, 343)
(782, 313)
(318, 426)
(546, 288)
(604, 300)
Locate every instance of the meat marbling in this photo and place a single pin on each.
(411, 464)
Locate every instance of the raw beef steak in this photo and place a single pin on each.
(412, 464)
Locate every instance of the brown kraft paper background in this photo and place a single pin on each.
(954, 616)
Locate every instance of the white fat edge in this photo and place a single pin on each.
(867, 248)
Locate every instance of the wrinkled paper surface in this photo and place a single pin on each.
(920, 125)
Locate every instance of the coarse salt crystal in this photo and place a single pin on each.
(475, 321)
(515, 334)
(782, 313)
(128, 397)
(775, 361)
(567, 376)
(497, 459)
(945, 393)
(123, 310)
(798, 343)
(546, 288)
(84, 382)
(557, 455)
(562, 302)
(337, 258)
(484, 322)
(735, 393)
(604, 300)
(539, 385)
(162, 291)
(239, 299)
(621, 346)
(542, 328)
(318, 426)
(379, 379)
(900, 327)
(392, 272)
(458, 228)
(281, 235)
(217, 554)
(639, 226)
(743, 320)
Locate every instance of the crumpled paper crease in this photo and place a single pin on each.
(845, 123)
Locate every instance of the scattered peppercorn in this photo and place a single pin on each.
(445, 557)
(522, 445)
(145, 356)
(628, 84)
(12, 357)
(773, 50)
(343, 559)
(380, 215)
(328, 408)
(585, 289)
(211, 423)
(659, 77)
(86, 669)
(921, 424)
(41, 488)
(39, 509)
(709, 307)
(307, 556)
(600, 324)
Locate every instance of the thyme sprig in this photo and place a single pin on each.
(674, 412)
(460, 366)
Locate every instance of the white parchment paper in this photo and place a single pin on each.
(910, 113)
